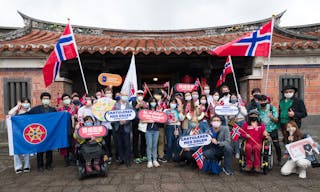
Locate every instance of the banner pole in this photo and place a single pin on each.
(269, 56)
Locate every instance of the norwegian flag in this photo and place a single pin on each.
(197, 83)
(256, 43)
(198, 156)
(166, 84)
(226, 71)
(145, 89)
(235, 132)
(71, 109)
(65, 49)
(83, 99)
(196, 131)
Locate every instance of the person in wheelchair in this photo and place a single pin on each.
(254, 132)
(88, 121)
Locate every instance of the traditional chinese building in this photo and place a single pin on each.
(164, 55)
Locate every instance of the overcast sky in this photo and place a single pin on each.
(159, 14)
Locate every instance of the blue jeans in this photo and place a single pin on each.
(216, 152)
(152, 144)
(171, 142)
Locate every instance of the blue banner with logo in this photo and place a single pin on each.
(39, 132)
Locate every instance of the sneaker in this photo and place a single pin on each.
(237, 155)
(18, 171)
(149, 165)
(156, 164)
(162, 160)
(227, 172)
(144, 159)
(303, 174)
(97, 167)
(247, 168)
(137, 160)
(88, 168)
(26, 170)
(257, 169)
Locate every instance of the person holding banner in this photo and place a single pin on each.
(220, 144)
(22, 107)
(152, 135)
(44, 108)
(173, 127)
(300, 166)
(122, 130)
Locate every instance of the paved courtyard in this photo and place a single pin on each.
(168, 177)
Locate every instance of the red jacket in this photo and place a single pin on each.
(255, 133)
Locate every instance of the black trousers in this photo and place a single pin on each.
(136, 136)
(48, 159)
(275, 139)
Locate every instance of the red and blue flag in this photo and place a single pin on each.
(227, 70)
(198, 156)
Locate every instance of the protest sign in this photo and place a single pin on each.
(109, 79)
(152, 116)
(299, 149)
(184, 87)
(101, 107)
(120, 115)
(87, 132)
(195, 140)
(226, 110)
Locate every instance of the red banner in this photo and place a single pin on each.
(184, 87)
(87, 132)
(152, 116)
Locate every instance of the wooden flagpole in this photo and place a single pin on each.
(80, 65)
(269, 56)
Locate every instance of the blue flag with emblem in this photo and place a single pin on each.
(38, 133)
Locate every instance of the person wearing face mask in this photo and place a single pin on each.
(225, 95)
(187, 107)
(254, 104)
(195, 97)
(44, 108)
(87, 122)
(205, 108)
(239, 119)
(290, 108)
(161, 106)
(99, 95)
(299, 166)
(173, 126)
(206, 92)
(122, 131)
(70, 108)
(220, 144)
(269, 116)
(86, 110)
(22, 107)
(139, 154)
(254, 131)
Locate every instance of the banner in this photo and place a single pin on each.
(120, 115)
(107, 79)
(195, 140)
(38, 133)
(87, 132)
(300, 149)
(103, 105)
(152, 116)
(184, 87)
(227, 110)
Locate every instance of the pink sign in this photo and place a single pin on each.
(152, 116)
(87, 132)
(184, 87)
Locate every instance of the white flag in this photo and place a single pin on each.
(130, 85)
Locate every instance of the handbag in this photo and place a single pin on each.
(142, 127)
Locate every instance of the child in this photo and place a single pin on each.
(254, 132)
(88, 121)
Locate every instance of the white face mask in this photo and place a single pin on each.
(67, 101)
(206, 91)
(216, 124)
(140, 98)
(195, 97)
(188, 98)
(288, 95)
(109, 95)
(203, 101)
(98, 96)
(25, 105)
(45, 101)
(216, 97)
(173, 105)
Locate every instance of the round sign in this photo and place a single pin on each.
(101, 107)
(35, 133)
(109, 79)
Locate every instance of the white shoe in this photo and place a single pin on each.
(156, 164)
(237, 155)
(149, 165)
(303, 174)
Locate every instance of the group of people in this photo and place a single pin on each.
(188, 113)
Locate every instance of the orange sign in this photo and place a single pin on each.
(152, 116)
(109, 79)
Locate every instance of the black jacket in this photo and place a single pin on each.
(299, 110)
(41, 109)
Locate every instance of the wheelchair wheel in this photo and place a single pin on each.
(242, 162)
(81, 172)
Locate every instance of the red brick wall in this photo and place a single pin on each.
(311, 86)
(37, 86)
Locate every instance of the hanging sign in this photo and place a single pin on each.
(109, 79)
(195, 140)
(120, 115)
(226, 110)
(103, 105)
(184, 87)
(152, 116)
(86, 132)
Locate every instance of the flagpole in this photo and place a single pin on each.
(80, 65)
(234, 76)
(269, 56)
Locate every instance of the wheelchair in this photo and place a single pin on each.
(91, 150)
(266, 156)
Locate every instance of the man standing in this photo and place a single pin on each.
(290, 108)
(255, 95)
(44, 108)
